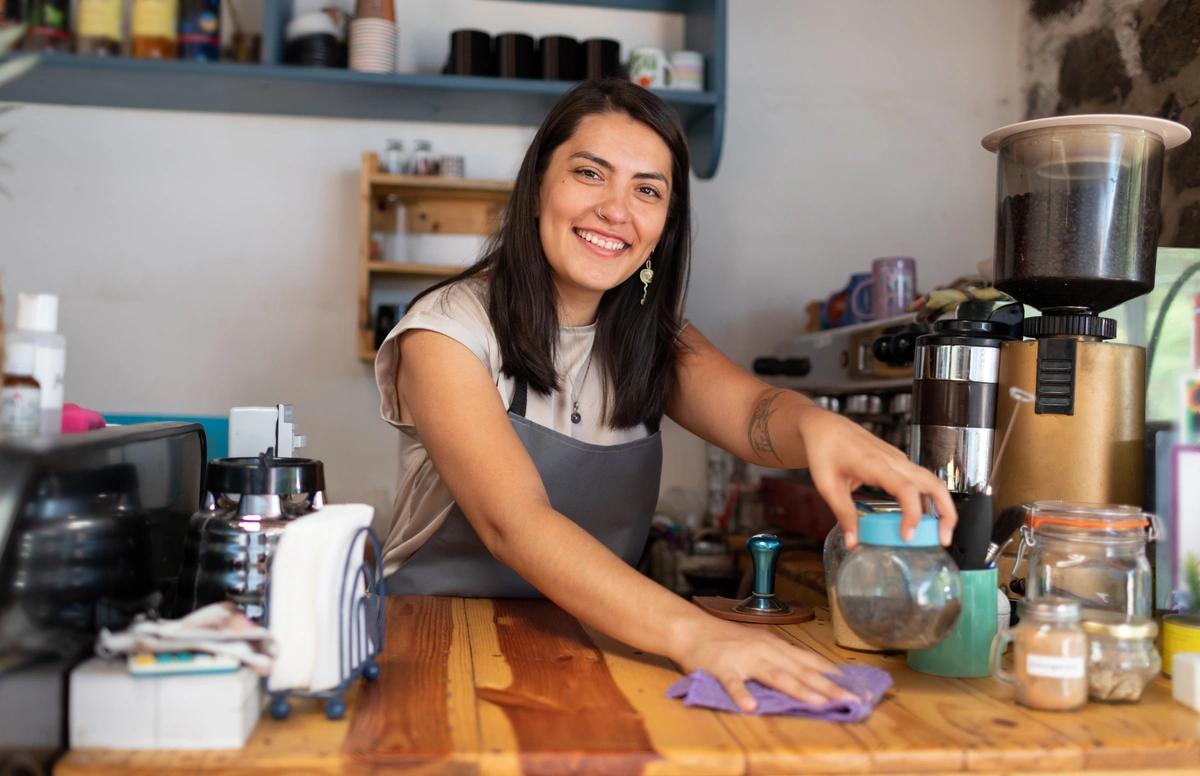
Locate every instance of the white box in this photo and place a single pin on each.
(1185, 679)
(110, 709)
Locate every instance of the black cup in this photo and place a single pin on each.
(562, 58)
(516, 56)
(470, 53)
(386, 318)
(602, 57)
(319, 50)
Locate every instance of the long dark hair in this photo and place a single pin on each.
(636, 345)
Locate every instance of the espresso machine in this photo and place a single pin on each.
(1077, 225)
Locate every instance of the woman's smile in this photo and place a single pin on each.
(601, 243)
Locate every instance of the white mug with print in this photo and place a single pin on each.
(649, 68)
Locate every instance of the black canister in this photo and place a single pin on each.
(516, 56)
(562, 58)
(602, 58)
(470, 53)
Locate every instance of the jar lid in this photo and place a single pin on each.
(883, 529)
(1103, 517)
(1118, 625)
(1051, 608)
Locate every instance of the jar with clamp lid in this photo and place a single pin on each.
(896, 594)
(1094, 554)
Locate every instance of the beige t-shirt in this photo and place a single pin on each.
(459, 311)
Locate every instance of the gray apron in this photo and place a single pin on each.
(608, 490)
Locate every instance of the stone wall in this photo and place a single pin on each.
(1124, 56)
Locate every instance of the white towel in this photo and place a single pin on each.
(307, 576)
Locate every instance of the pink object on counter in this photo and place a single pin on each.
(77, 420)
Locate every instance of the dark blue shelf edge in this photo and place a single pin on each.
(271, 89)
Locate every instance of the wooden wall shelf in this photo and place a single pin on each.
(434, 205)
(275, 88)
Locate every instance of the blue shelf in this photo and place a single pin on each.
(277, 89)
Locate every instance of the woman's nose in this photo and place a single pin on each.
(613, 209)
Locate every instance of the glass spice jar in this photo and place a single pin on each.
(897, 594)
(1050, 652)
(1122, 659)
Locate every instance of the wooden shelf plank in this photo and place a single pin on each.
(441, 183)
(426, 270)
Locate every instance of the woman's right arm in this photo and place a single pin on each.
(449, 396)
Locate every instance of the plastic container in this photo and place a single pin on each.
(1050, 653)
(36, 324)
(895, 594)
(1094, 554)
(1122, 659)
(1078, 199)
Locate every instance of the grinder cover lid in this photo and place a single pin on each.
(1172, 133)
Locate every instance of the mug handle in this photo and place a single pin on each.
(999, 644)
(855, 310)
(668, 74)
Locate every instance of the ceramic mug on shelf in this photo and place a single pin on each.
(649, 68)
(687, 71)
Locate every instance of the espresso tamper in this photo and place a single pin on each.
(761, 606)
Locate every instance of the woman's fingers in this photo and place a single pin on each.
(837, 498)
(736, 687)
(903, 489)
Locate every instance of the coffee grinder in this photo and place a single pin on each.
(1077, 225)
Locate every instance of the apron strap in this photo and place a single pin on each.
(520, 401)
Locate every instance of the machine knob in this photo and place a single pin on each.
(768, 366)
(764, 554)
(904, 347)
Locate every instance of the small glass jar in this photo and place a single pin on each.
(1122, 659)
(394, 161)
(896, 594)
(1050, 652)
(1092, 553)
(424, 162)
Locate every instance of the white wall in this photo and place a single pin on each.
(208, 260)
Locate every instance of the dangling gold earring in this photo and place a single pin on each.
(646, 276)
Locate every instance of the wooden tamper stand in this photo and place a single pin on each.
(761, 606)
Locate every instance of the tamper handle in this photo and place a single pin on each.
(764, 553)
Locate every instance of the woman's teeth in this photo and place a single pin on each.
(597, 240)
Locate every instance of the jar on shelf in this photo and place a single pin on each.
(1094, 554)
(1050, 652)
(394, 161)
(1122, 659)
(896, 594)
(424, 162)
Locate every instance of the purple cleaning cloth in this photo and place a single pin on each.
(868, 684)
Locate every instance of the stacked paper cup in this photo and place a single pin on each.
(373, 37)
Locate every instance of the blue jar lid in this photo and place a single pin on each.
(883, 529)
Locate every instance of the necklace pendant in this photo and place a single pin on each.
(575, 416)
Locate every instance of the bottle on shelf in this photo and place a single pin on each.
(36, 327)
(49, 27)
(153, 29)
(98, 27)
(200, 30)
(20, 394)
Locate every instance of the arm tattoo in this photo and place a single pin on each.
(758, 433)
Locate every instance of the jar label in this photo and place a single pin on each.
(155, 18)
(20, 411)
(1054, 667)
(99, 19)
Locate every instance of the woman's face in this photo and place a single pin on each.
(603, 204)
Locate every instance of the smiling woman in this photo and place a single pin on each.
(528, 392)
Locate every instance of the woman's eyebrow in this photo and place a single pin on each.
(607, 165)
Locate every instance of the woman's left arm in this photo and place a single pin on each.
(727, 406)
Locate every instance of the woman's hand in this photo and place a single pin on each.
(842, 457)
(735, 654)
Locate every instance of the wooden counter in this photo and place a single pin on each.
(477, 686)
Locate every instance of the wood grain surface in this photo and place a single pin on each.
(519, 687)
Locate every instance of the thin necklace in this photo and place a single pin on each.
(576, 418)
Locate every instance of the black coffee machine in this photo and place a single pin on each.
(92, 532)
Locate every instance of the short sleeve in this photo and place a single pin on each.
(455, 311)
